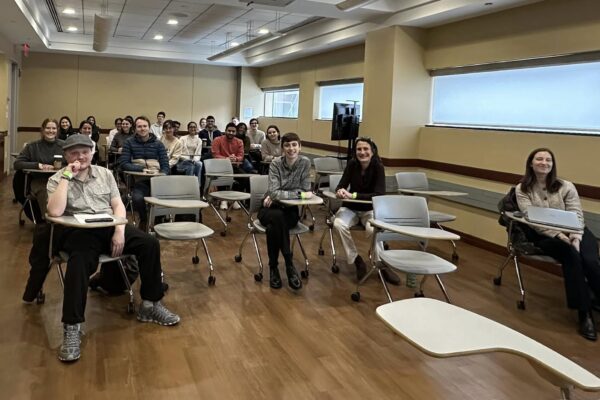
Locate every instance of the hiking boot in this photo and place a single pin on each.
(293, 279)
(361, 268)
(70, 349)
(156, 312)
(274, 278)
(411, 281)
(390, 276)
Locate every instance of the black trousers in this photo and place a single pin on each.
(279, 221)
(581, 270)
(141, 189)
(84, 247)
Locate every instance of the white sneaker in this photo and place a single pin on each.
(236, 206)
(224, 205)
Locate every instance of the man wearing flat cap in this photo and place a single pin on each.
(83, 188)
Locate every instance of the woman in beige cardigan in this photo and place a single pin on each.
(578, 253)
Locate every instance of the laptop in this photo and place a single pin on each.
(553, 217)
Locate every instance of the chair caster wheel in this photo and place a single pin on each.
(321, 252)
(304, 274)
(258, 277)
(237, 258)
(130, 308)
(355, 296)
(520, 304)
(227, 219)
(498, 281)
(454, 257)
(335, 269)
(420, 294)
(211, 281)
(311, 228)
(21, 222)
(41, 298)
(223, 233)
(195, 259)
(386, 246)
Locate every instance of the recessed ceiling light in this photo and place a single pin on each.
(234, 44)
(158, 37)
(263, 31)
(172, 21)
(69, 11)
(72, 29)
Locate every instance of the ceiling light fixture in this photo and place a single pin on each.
(234, 44)
(72, 29)
(172, 21)
(246, 45)
(349, 5)
(263, 31)
(158, 37)
(69, 11)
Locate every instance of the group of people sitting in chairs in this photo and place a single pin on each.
(78, 186)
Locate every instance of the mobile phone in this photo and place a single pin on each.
(98, 220)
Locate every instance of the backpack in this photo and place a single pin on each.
(520, 232)
(109, 277)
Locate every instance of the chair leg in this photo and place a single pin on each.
(498, 278)
(238, 257)
(61, 274)
(385, 286)
(224, 232)
(454, 252)
(304, 273)
(211, 277)
(565, 393)
(321, 251)
(520, 303)
(441, 284)
(131, 304)
(334, 268)
(258, 277)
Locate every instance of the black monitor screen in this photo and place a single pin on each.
(344, 124)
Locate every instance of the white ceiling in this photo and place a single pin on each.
(208, 27)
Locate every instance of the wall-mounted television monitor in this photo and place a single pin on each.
(344, 125)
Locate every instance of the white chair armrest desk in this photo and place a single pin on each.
(72, 222)
(513, 254)
(444, 330)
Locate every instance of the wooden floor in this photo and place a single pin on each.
(242, 340)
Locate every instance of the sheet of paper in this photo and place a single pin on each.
(82, 217)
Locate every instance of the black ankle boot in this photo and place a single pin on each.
(587, 327)
(293, 279)
(274, 278)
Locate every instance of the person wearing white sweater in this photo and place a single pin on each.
(189, 162)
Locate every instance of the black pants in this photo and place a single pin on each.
(581, 270)
(141, 189)
(279, 221)
(84, 247)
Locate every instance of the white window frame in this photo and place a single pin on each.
(270, 104)
(329, 107)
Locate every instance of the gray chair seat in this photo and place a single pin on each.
(416, 262)
(437, 217)
(297, 230)
(182, 230)
(230, 195)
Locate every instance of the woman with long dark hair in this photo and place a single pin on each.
(95, 128)
(577, 252)
(363, 178)
(271, 146)
(66, 128)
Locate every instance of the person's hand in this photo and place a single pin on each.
(575, 242)
(343, 194)
(232, 158)
(267, 201)
(45, 167)
(120, 150)
(563, 237)
(117, 243)
(74, 167)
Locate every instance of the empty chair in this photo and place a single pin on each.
(326, 166)
(220, 171)
(418, 181)
(258, 189)
(410, 216)
(172, 195)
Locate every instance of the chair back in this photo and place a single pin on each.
(328, 164)
(219, 166)
(259, 185)
(412, 180)
(402, 211)
(174, 187)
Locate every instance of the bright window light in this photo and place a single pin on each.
(341, 93)
(282, 103)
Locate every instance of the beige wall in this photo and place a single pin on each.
(344, 63)
(251, 95)
(78, 86)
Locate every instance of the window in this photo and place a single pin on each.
(560, 97)
(282, 103)
(339, 93)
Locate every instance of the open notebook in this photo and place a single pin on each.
(554, 217)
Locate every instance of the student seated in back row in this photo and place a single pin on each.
(84, 188)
